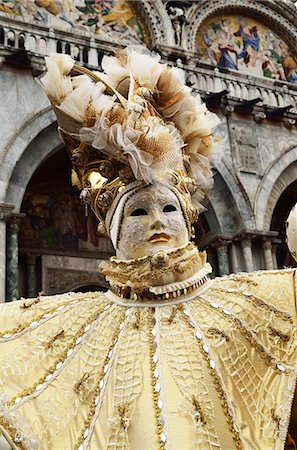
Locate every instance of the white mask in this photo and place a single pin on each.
(152, 221)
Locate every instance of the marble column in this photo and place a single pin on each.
(12, 270)
(246, 244)
(31, 275)
(5, 211)
(267, 250)
(221, 246)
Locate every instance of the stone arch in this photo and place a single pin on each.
(40, 148)
(234, 187)
(221, 200)
(270, 15)
(154, 15)
(279, 175)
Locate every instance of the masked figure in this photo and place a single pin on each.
(166, 358)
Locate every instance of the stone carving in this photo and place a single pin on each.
(244, 146)
(59, 281)
(177, 16)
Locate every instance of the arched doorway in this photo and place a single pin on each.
(281, 211)
(59, 245)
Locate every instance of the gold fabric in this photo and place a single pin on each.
(215, 372)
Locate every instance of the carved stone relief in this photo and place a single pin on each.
(244, 146)
(62, 273)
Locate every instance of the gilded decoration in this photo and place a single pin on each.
(246, 45)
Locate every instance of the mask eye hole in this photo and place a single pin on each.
(139, 212)
(169, 208)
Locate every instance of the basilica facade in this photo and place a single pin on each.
(238, 55)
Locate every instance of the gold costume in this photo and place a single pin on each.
(212, 368)
(167, 358)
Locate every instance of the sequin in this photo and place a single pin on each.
(163, 437)
(59, 365)
(160, 404)
(205, 348)
(198, 335)
(281, 367)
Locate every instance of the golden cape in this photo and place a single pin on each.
(215, 372)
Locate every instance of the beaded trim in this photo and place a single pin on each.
(259, 302)
(158, 301)
(89, 425)
(57, 367)
(38, 320)
(217, 379)
(156, 385)
(268, 358)
(12, 433)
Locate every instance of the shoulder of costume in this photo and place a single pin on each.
(42, 308)
(277, 288)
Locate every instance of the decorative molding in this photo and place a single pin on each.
(5, 211)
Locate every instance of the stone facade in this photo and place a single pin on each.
(257, 134)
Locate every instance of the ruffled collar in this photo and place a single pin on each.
(162, 276)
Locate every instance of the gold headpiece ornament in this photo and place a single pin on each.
(135, 121)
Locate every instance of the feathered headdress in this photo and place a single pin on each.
(135, 121)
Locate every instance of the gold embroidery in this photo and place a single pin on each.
(157, 402)
(53, 368)
(48, 345)
(97, 390)
(218, 385)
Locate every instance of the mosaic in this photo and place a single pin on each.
(109, 19)
(244, 44)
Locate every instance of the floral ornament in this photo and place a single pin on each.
(138, 117)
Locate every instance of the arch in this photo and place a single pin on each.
(75, 53)
(154, 15)
(19, 144)
(11, 38)
(221, 200)
(40, 148)
(32, 43)
(59, 48)
(42, 47)
(67, 48)
(85, 55)
(270, 15)
(278, 176)
(21, 40)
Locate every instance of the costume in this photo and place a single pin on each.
(166, 358)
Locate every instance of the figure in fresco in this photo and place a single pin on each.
(289, 62)
(270, 67)
(229, 56)
(251, 44)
